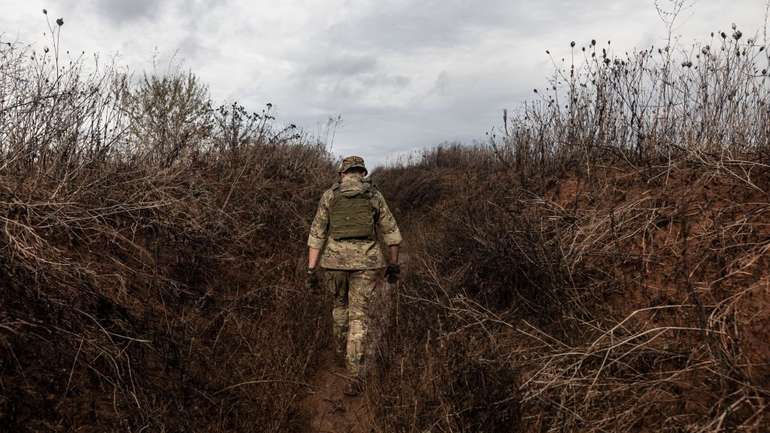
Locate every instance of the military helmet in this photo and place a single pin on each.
(350, 162)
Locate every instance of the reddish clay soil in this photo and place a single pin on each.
(328, 408)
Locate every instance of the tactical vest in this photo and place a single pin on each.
(351, 217)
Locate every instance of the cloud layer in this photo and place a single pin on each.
(402, 74)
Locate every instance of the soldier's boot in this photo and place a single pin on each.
(353, 388)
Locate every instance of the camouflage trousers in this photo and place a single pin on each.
(352, 294)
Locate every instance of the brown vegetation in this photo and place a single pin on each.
(602, 265)
(150, 249)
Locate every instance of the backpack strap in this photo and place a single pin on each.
(335, 188)
(370, 193)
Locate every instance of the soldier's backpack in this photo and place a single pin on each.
(352, 216)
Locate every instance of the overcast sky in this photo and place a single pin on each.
(403, 74)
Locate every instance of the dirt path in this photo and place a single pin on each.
(331, 411)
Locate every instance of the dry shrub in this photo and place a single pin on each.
(616, 305)
(604, 259)
(149, 259)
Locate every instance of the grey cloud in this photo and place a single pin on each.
(404, 28)
(407, 26)
(352, 90)
(194, 52)
(342, 65)
(122, 11)
(441, 85)
(343, 80)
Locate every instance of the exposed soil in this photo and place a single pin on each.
(328, 408)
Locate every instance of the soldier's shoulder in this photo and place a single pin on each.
(327, 195)
(370, 186)
(377, 196)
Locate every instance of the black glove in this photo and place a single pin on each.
(391, 273)
(312, 282)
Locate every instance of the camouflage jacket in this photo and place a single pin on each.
(353, 253)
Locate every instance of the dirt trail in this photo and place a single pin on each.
(331, 411)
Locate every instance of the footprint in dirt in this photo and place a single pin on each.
(329, 409)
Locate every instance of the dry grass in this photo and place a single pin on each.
(150, 255)
(616, 302)
(600, 265)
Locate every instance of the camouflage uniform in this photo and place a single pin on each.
(353, 268)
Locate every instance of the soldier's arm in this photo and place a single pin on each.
(393, 254)
(388, 227)
(312, 257)
(319, 231)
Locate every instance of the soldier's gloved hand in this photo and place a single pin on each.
(312, 282)
(391, 273)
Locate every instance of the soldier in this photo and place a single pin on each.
(352, 216)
